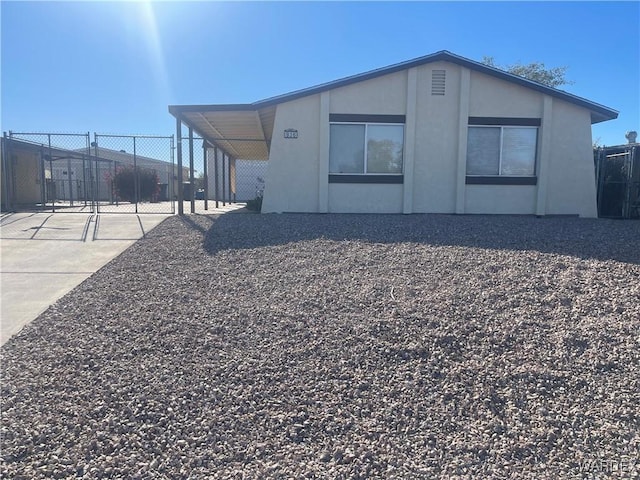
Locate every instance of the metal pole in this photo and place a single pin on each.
(70, 184)
(136, 180)
(230, 190)
(51, 184)
(191, 172)
(224, 185)
(95, 201)
(43, 179)
(87, 153)
(7, 174)
(626, 211)
(180, 186)
(84, 178)
(206, 175)
(170, 178)
(215, 173)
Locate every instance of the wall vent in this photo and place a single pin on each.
(438, 80)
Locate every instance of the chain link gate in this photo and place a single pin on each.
(137, 174)
(58, 172)
(70, 173)
(48, 172)
(618, 179)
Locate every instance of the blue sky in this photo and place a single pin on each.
(114, 67)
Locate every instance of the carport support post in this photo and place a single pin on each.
(191, 176)
(206, 175)
(179, 147)
(215, 173)
(224, 193)
(231, 161)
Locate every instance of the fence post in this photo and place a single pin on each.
(51, 190)
(86, 155)
(95, 199)
(206, 175)
(7, 174)
(136, 177)
(191, 173)
(170, 178)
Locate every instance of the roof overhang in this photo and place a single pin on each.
(241, 131)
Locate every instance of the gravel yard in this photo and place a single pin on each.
(338, 346)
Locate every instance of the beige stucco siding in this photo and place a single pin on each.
(571, 174)
(435, 148)
(434, 182)
(492, 97)
(383, 95)
(365, 198)
(500, 199)
(293, 168)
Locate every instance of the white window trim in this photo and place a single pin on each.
(502, 127)
(366, 148)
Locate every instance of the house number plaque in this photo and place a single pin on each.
(291, 133)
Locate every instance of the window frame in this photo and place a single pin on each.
(502, 124)
(366, 146)
(366, 121)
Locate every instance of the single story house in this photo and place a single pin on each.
(437, 134)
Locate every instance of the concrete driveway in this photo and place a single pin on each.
(44, 256)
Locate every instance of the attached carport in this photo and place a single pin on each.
(241, 131)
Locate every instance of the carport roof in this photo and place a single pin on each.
(245, 130)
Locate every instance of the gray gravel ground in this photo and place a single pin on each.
(338, 346)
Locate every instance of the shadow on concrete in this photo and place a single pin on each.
(600, 239)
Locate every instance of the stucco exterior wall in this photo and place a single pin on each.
(436, 141)
(435, 148)
(492, 97)
(571, 175)
(500, 199)
(365, 198)
(383, 95)
(293, 168)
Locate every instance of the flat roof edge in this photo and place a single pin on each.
(223, 107)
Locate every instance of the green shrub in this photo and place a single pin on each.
(124, 184)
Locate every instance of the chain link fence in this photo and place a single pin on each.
(618, 178)
(102, 173)
(70, 173)
(47, 171)
(135, 174)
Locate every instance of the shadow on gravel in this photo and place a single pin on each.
(600, 239)
(202, 225)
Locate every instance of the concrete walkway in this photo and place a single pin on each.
(46, 255)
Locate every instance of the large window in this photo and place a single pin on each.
(366, 148)
(501, 150)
